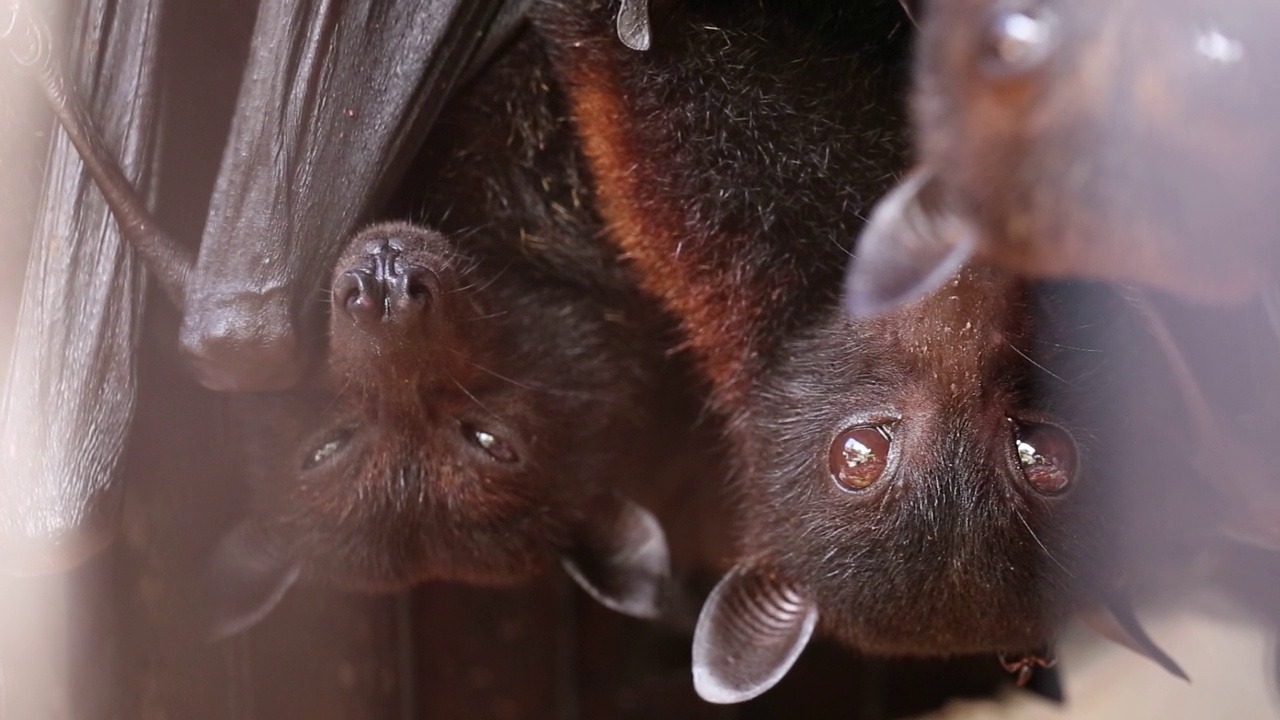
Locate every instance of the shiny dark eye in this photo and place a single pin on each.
(494, 446)
(328, 449)
(1019, 41)
(859, 455)
(1047, 455)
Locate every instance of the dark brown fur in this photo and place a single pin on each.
(679, 182)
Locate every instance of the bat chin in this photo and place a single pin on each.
(947, 640)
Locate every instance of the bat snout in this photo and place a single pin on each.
(386, 288)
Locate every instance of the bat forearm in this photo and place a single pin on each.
(29, 43)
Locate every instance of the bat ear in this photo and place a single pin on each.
(247, 578)
(633, 24)
(1114, 619)
(751, 631)
(911, 245)
(620, 557)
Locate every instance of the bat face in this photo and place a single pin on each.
(460, 434)
(1107, 140)
(911, 485)
(912, 490)
(428, 459)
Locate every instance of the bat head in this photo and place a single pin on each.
(1097, 139)
(464, 434)
(908, 494)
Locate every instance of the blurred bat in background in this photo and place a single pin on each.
(1130, 140)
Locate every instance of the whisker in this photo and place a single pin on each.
(1061, 346)
(532, 388)
(475, 399)
(1051, 373)
(487, 283)
(490, 316)
(1035, 537)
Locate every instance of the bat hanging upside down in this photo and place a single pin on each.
(905, 489)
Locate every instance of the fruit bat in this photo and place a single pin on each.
(906, 488)
(332, 96)
(473, 416)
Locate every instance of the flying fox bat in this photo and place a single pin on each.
(473, 417)
(1126, 141)
(907, 490)
(332, 95)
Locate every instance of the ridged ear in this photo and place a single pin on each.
(751, 631)
(619, 557)
(1113, 618)
(910, 246)
(633, 24)
(247, 578)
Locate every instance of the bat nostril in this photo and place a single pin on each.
(419, 285)
(360, 295)
(410, 292)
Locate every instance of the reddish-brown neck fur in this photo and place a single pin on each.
(718, 309)
(718, 156)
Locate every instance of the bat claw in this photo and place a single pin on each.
(1024, 666)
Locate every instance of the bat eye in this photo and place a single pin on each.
(1047, 455)
(1019, 41)
(859, 455)
(330, 448)
(491, 444)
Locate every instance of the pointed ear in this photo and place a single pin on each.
(911, 245)
(751, 631)
(633, 24)
(620, 557)
(246, 579)
(1113, 618)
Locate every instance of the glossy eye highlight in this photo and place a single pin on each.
(1047, 455)
(858, 456)
(491, 444)
(327, 450)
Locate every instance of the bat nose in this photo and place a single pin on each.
(386, 288)
(361, 295)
